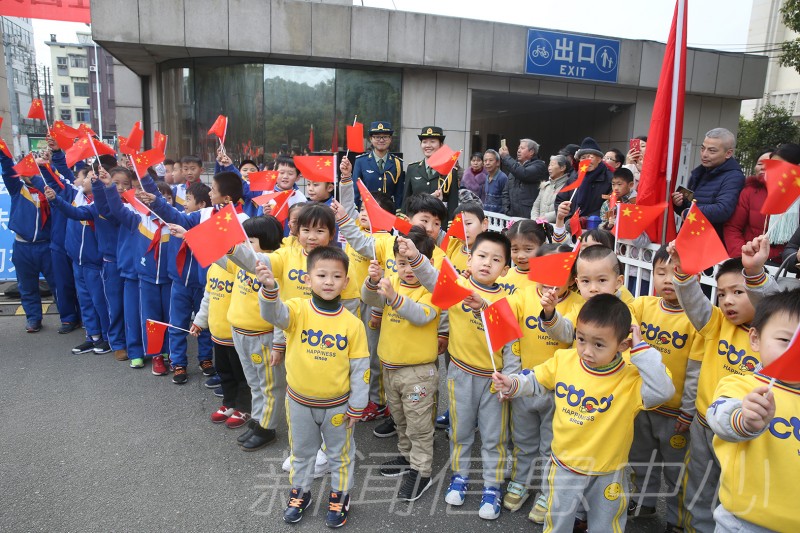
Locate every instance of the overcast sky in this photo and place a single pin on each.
(718, 24)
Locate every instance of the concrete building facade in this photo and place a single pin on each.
(467, 76)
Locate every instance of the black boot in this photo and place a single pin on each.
(241, 439)
(261, 437)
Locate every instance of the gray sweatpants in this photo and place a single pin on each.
(657, 448)
(472, 400)
(267, 383)
(376, 392)
(701, 481)
(532, 434)
(603, 497)
(727, 522)
(307, 427)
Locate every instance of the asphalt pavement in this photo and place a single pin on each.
(91, 445)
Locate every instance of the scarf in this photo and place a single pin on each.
(783, 226)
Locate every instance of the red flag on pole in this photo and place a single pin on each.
(82, 149)
(84, 130)
(263, 180)
(4, 148)
(583, 167)
(133, 142)
(27, 166)
(575, 224)
(311, 139)
(444, 160)
(787, 366)
(281, 198)
(456, 230)
(501, 323)
(447, 291)
(783, 186)
(553, 270)
(698, 244)
(219, 128)
(316, 167)
(213, 238)
(155, 335)
(657, 182)
(633, 219)
(37, 110)
(379, 220)
(130, 197)
(355, 137)
(159, 141)
(147, 159)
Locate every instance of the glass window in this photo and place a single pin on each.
(66, 115)
(83, 115)
(81, 89)
(61, 61)
(77, 61)
(65, 90)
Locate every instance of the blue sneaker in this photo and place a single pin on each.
(443, 421)
(338, 508)
(218, 392)
(490, 504)
(213, 382)
(457, 490)
(297, 504)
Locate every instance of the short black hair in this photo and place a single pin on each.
(498, 238)
(425, 203)
(530, 230)
(787, 301)
(165, 190)
(189, 159)
(473, 208)
(421, 240)
(315, 214)
(599, 253)
(199, 192)
(661, 256)
(266, 229)
(605, 238)
(331, 253)
(246, 161)
(384, 200)
(624, 173)
(285, 161)
(298, 205)
(121, 170)
(606, 310)
(618, 155)
(168, 162)
(229, 184)
(731, 266)
(642, 138)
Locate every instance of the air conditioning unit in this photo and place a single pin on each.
(92, 68)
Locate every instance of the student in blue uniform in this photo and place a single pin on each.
(378, 169)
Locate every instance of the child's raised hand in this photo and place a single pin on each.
(49, 193)
(52, 144)
(549, 301)
(145, 197)
(636, 334)
(674, 257)
(754, 255)
(104, 176)
(375, 271)
(474, 301)
(338, 208)
(502, 383)
(264, 275)
(562, 213)
(176, 231)
(194, 330)
(386, 290)
(758, 409)
(406, 247)
(346, 168)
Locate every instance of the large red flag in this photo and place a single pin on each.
(583, 167)
(355, 137)
(27, 166)
(213, 238)
(263, 180)
(666, 128)
(220, 128)
(633, 219)
(553, 270)
(698, 244)
(130, 197)
(316, 167)
(447, 291)
(37, 110)
(444, 160)
(783, 186)
(311, 139)
(456, 230)
(379, 220)
(501, 325)
(155, 335)
(787, 366)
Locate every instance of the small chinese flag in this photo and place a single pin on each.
(698, 244)
(783, 186)
(787, 366)
(159, 141)
(281, 199)
(4, 148)
(213, 238)
(37, 110)
(402, 225)
(64, 135)
(155, 335)
(79, 151)
(84, 130)
(379, 220)
(553, 270)
(444, 160)
(130, 197)
(263, 180)
(632, 219)
(311, 139)
(575, 224)
(355, 138)
(501, 325)
(220, 128)
(133, 142)
(455, 230)
(55, 175)
(316, 167)
(447, 291)
(583, 166)
(612, 201)
(147, 159)
(27, 167)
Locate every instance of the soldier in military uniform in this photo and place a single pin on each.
(378, 169)
(422, 178)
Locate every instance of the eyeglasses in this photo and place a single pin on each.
(610, 159)
(381, 137)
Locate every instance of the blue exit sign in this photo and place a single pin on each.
(565, 55)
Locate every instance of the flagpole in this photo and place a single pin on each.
(167, 324)
(673, 112)
(489, 345)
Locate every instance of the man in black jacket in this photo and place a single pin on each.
(524, 176)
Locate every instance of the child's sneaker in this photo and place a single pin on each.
(84, 347)
(179, 377)
(213, 382)
(413, 486)
(338, 507)
(297, 504)
(208, 368)
(490, 504)
(515, 497)
(101, 347)
(137, 363)
(287, 464)
(221, 415)
(218, 392)
(373, 411)
(237, 419)
(539, 510)
(396, 467)
(159, 368)
(443, 421)
(457, 490)
(386, 429)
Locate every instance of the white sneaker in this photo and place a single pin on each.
(287, 464)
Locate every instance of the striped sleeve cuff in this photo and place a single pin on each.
(269, 294)
(685, 418)
(371, 286)
(279, 347)
(353, 412)
(376, 313)
(681, 277)
(444, 335)
(342, 220)
(560, 235)
(346, 180)
(757, 281)
(639, 348)
(514, 386)
(548, 323)
(417, 261)
(397, 303)
(738, 424)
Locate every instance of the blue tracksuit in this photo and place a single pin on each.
(30, 221)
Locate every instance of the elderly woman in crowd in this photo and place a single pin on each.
(544, 206)
(474, 178)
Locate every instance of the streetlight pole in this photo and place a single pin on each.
(97, 84)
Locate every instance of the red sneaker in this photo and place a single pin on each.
(374, 411)
(159, 368)
(221, 415)
(237, 419)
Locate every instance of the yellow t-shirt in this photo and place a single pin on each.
(458, 254)
(244, 313)
(625, 295)
(759, 482)
(468, 348)
(359, 268)
(669, 331)
(219, 286)
(319, 347)
(289, 268)
(384, 249)
(515, 280)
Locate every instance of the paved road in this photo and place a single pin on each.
(89, 444)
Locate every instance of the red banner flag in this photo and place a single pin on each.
(159, 141)
(575, 224)
(447, 291)
(583, 167)
(133, 142)
(263, 180)
(311, 139)
(219, 128)
(455, 230)
(37, 110)
(147, 159)
(64, 135)
(27, 167)
(66, 10)
(316, 167)
(633, 219)
(213, 238)
(553, 270)
(379, 220)
(444, 160)
(355, 137)
(783, 186)
(155, 335)
(787, 366)
(501, 325)
(5, 150)
(82, 149)
(281, 199)
(130, 197)
(698, 244)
